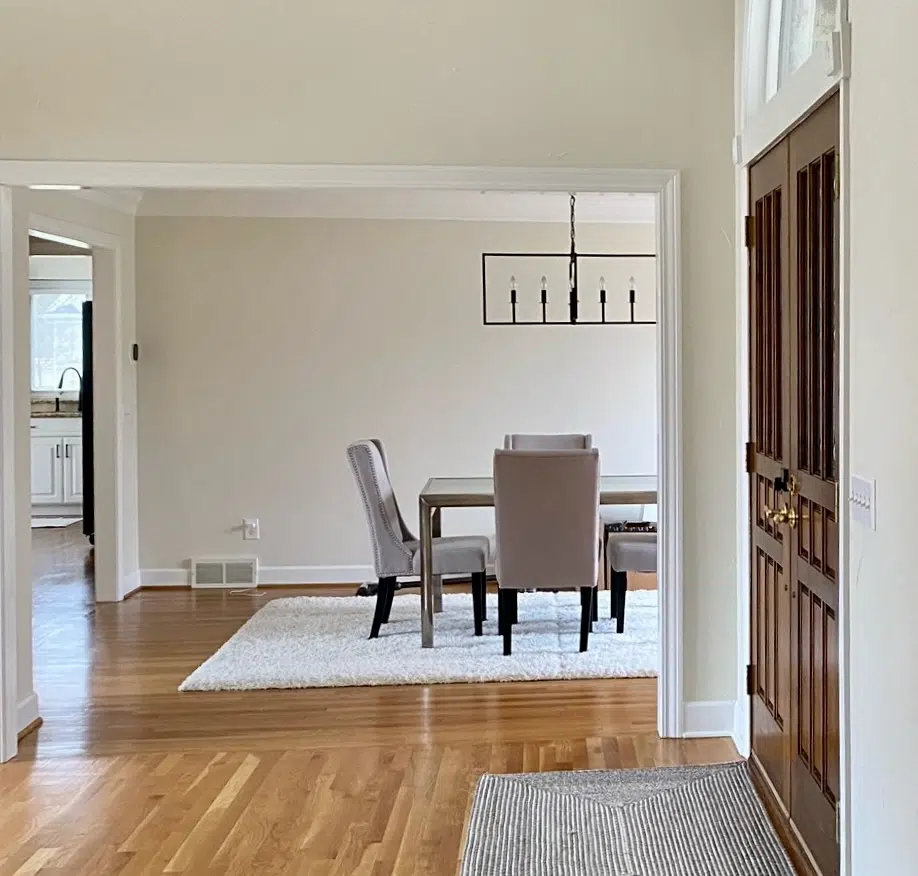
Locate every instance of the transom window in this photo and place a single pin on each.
(805, 26)
(781, 37)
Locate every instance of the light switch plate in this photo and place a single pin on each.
(863, 501)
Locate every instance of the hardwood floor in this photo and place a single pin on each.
(127, 776)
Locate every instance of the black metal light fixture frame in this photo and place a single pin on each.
(573, 259)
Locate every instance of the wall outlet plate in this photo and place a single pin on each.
(863, 499)
(251, 529)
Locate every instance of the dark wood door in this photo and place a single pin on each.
(793, 462)
(771, 446)
(814, 490)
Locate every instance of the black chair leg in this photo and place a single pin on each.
(384, 596)
(484, 596)
(621, 593)
(594, 616)
(390, 595)
(478, 600)
(504, 622)
(587, 598)
(614, 578)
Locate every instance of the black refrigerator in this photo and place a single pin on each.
(89, 479)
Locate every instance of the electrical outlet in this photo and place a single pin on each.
(863, 501)
(251, 529)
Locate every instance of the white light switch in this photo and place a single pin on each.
(863, 501)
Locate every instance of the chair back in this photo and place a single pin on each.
(548, 442)
(623, 513)
(547, 513)
(391, 556)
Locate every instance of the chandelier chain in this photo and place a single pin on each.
(573, 231)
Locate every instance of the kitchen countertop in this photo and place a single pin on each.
(57, 415)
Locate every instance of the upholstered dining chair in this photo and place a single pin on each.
(627, 552)
(548, 442)
(609, 516)
(396, 551)
(547, 512)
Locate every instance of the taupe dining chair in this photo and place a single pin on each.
(547, 511)
(396, 551)
(547, 442)
(627, 552)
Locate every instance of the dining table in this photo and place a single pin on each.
(478, 492)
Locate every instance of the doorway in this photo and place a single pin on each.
(793, 465)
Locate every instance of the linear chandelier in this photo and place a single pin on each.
(573, 290)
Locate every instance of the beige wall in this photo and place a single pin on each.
(884, 434)
(513, 82)
(269, 345)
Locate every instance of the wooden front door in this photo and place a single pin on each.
(793, 469)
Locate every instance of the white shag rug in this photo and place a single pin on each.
(321, 641)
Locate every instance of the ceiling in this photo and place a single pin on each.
(352, 203)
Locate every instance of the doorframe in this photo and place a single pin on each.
(663, 184)
(750, 146)
(116, 507)
(107, 255)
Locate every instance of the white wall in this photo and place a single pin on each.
(884, 435)
(269, 345)
(513, 82)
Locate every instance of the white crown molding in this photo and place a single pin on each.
(123, 200)
(410, 204)
(189, 175)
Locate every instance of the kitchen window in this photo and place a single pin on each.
(57, 332)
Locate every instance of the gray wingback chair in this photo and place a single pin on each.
(396, 551)
(548, 442)
(547, 513)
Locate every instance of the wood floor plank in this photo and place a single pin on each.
(128, 776)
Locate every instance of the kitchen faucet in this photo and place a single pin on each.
(60, 386)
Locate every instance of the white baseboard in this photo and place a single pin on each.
(741, 728)
(275, 575)
(708, 718)
(269, 575)
(130, 583)
(27, 712)
(165, 578)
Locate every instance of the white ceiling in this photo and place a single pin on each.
(387, 204)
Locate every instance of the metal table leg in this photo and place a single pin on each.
(427, 602)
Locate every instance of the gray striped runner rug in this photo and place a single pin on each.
(669, 821)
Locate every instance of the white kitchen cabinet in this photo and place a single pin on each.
(73, 471)
(57, 463)
(47, 471)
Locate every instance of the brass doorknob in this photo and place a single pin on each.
(776, 515)
(793, 517)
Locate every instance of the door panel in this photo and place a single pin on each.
(794, 472)
(814, 465)
(47, 485)
(769, 401)
(73, 470)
